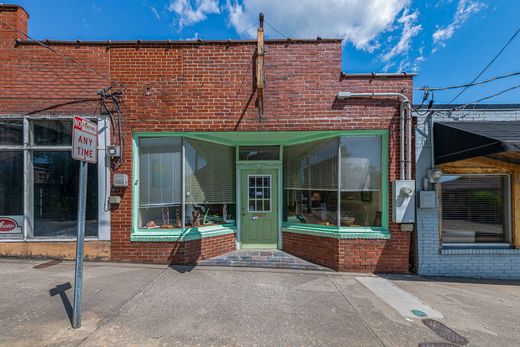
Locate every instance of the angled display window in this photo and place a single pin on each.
(335, 182)
(170, 166)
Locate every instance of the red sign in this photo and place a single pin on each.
(84, 140)
(7, 224)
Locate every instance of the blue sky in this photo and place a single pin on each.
(447, 42)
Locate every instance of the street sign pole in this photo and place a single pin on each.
(84, 149)
(78, 277)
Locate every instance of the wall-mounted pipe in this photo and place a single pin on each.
(405, 127)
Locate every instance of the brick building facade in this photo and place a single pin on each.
(196, 99)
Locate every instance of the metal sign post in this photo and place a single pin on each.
(84, 148)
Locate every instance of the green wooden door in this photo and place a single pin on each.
(259, 208)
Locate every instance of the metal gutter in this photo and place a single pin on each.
(405, 117)
(378, 74)
(174, 42)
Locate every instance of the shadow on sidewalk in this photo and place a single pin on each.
(60, 290)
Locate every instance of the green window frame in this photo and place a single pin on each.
(261, 138)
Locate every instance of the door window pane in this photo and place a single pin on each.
(474, 208)
(11, 132)
(51, 132)
(11, 183)
(55, 191)
(361, 199)
(259, 153)
(261, 199)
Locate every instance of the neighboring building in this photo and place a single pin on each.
(212, 163)
(468, 221)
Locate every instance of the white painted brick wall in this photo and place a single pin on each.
(476, 263)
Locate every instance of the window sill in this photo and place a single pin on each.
(495, 249)
(337, 233)
(179, 235)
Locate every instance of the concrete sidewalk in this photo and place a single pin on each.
(136, 305)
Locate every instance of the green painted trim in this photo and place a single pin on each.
(177, 235)
(384, 181)
(337, 233)
(245, 138)
(282, 138)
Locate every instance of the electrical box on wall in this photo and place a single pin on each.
(403, 204)
(427, 199)
(120, 180)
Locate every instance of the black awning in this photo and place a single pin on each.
(462, 140)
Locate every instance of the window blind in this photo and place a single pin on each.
(160, 171)
(360, 163)
(210, 173)
(473, 208)
(311, 165)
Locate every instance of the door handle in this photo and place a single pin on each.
(255, 217)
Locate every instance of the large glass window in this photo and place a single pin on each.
(475, 208)
(311, 183)
(318, 174)
(160, 185)
(360, 181)
(42, 164)
(209, 181)
(11, 132)
(11, 183)
(55, 190)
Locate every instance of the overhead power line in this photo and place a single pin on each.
(467, 85)
(487, 66)
(61, 54)
(489, 96)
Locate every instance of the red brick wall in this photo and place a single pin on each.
(320, 250)
(187, 252)
(351, 255)
(198, 87)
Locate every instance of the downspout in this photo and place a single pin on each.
(405, 117)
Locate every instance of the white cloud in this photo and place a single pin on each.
(356, 21)
(156, 14)
(191, 12)
(410, 30)
(465, 8)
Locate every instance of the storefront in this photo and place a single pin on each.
(205, 147)
(323, 182)
(38, 189)
(469, 190)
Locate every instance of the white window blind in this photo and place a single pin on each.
(360, 163)
(474, 208)
(210, 173)
(311, 165)
(160, 171)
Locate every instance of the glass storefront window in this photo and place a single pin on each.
(361, 202)
(160, 182)
(310, 182)
(11, 132)
(259, 153)
(475, 208)
(11, 183)
(55, 195)
(51, 132)
(210, 183)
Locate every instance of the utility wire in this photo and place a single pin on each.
(467, 85)
(489, 97)
(64, 56)
(487, 66)
(278, 31)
